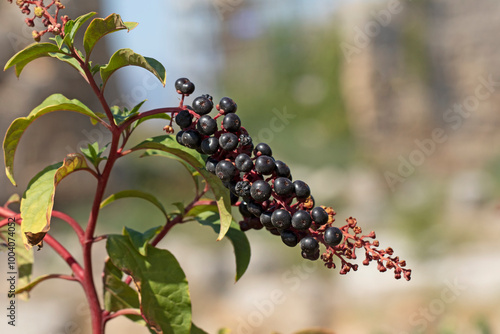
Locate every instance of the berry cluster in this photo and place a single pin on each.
(264, 191)
(41, 11)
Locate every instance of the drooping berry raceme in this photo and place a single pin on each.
(264, 192)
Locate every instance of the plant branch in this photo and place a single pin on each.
(131, 120)
(126, 311)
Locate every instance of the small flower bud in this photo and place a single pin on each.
(36, 35)
(29, 22)
(39, 11)
(19, 2)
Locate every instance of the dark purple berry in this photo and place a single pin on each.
(311, 256)
(262, 149)
(231, 122)
(178, 137)
(281, 219)
(264, 165)
(254, 208)
(333, 236)
(260, 191)
(202, 105)
(244, 210)
(227, 105)
(233, 198)
(183, 119)
(184, 86)
(242, 189)
(309, 245)
(225, 170)
(301, 220)
(191, 139)
(228, 141)
(211, 164)
(209, 145)
(301, 189)
(283, 186)
(282, 169)
(319, 215)
(245, 140)
(243, 162)
(206, 125)
(265, 219)
(289, 238)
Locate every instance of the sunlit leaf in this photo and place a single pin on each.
(28, 54)
(99, 28)
(72, 26)
(18, 126)
(127, 57)
(38, 199)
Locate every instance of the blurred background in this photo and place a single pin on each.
(388, 109)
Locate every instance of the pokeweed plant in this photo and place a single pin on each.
(228, 169)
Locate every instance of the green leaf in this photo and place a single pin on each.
(24, 257)
(72, 26)
(14, 198)
(93, 153)
(156, 116)
(117, 294)
(127, 57)
(196, 330)
(121, 115)
(16, 129)
(140, 240)
(162, 285)
(169, 144)
(238, 238)
(58, 39)
(28, 54)
(38, 199)
(99, 28)
(67, 59)
(138, 194)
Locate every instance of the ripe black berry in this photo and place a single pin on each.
(178, 137)
(243, 162)
(281, 219)
(265, 219)
(211, 164)
(209, 145)
(309, 245)
(231, 122)
(245, 140)
(311, 256)
(254, 208)
(225, 170)
(283, 186)
(191, 139)
(319, 215)
(262, 149)
(282, 169)
(301, 189)
(260, 191)
(333, 236)
(184, 86)
(227, 105)
(289, 238)
(301, 220)
(228, 141)
(202, 105)
(242, 189)
(244, 210)
(183, 119)
(234, 198)
(206, 125)
(264, 165)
